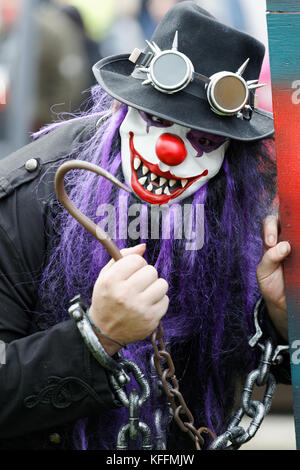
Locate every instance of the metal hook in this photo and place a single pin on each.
(87, 223)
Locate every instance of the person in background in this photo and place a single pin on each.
(63, 70)
(91, 46)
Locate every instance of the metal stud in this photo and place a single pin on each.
(153, 47)
(256, 86)
(147, 82)
(243, 67)
(251, 82)
(31, 164)
(175, 42)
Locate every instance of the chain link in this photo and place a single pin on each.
(135, 427)
(124, 434)
(161, 420)
(254, 409)
(163, 376)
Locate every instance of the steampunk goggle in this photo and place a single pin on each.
(171, 71)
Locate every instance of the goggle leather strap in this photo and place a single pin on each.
(201, 78)
(252, 98)
(143, 59)
(193, 87)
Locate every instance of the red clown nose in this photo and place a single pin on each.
(170, 149)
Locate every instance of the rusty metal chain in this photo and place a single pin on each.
(182, 414)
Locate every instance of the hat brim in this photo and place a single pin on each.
(114, 75)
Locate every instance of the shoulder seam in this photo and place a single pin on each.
(16, 175)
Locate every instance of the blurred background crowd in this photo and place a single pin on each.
(47, 49)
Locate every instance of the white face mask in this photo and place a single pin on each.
(165, 162)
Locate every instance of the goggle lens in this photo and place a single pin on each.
(229, 93)
(169, 71)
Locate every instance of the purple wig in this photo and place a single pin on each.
(212, 290)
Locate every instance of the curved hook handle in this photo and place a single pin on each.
(87, 223)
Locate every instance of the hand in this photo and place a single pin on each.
(270, 275)
(128, 299)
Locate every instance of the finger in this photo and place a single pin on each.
(122, 269)
(270, 231)
(272, 259)
(138, 250)
(156, 291)
(143, 278)
(161, 308)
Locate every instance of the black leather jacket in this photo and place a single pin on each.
(42, 386)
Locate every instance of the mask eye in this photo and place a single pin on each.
(162, 122)
(205, 142)
(154, 120)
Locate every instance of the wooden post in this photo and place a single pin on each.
(283, 18)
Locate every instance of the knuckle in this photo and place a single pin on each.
(147, 316)
(163, 285)
(269, 256)
(106, 282)
(121, 296)
(137, 260)
(275, 254)
(136, 309)
(152, 270)
(271, 220)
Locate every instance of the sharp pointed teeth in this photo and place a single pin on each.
(145, 170)
(158, 191)
(153, 176)
(149, 187)
(142, 181)
(184, 183)
(136, 163)
(172, 183)
(167, 192)
(162, 181)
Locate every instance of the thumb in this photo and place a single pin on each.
(272, 259)
(133, 250)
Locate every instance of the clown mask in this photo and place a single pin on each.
(165, 162)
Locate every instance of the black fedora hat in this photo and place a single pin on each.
(207, 47)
